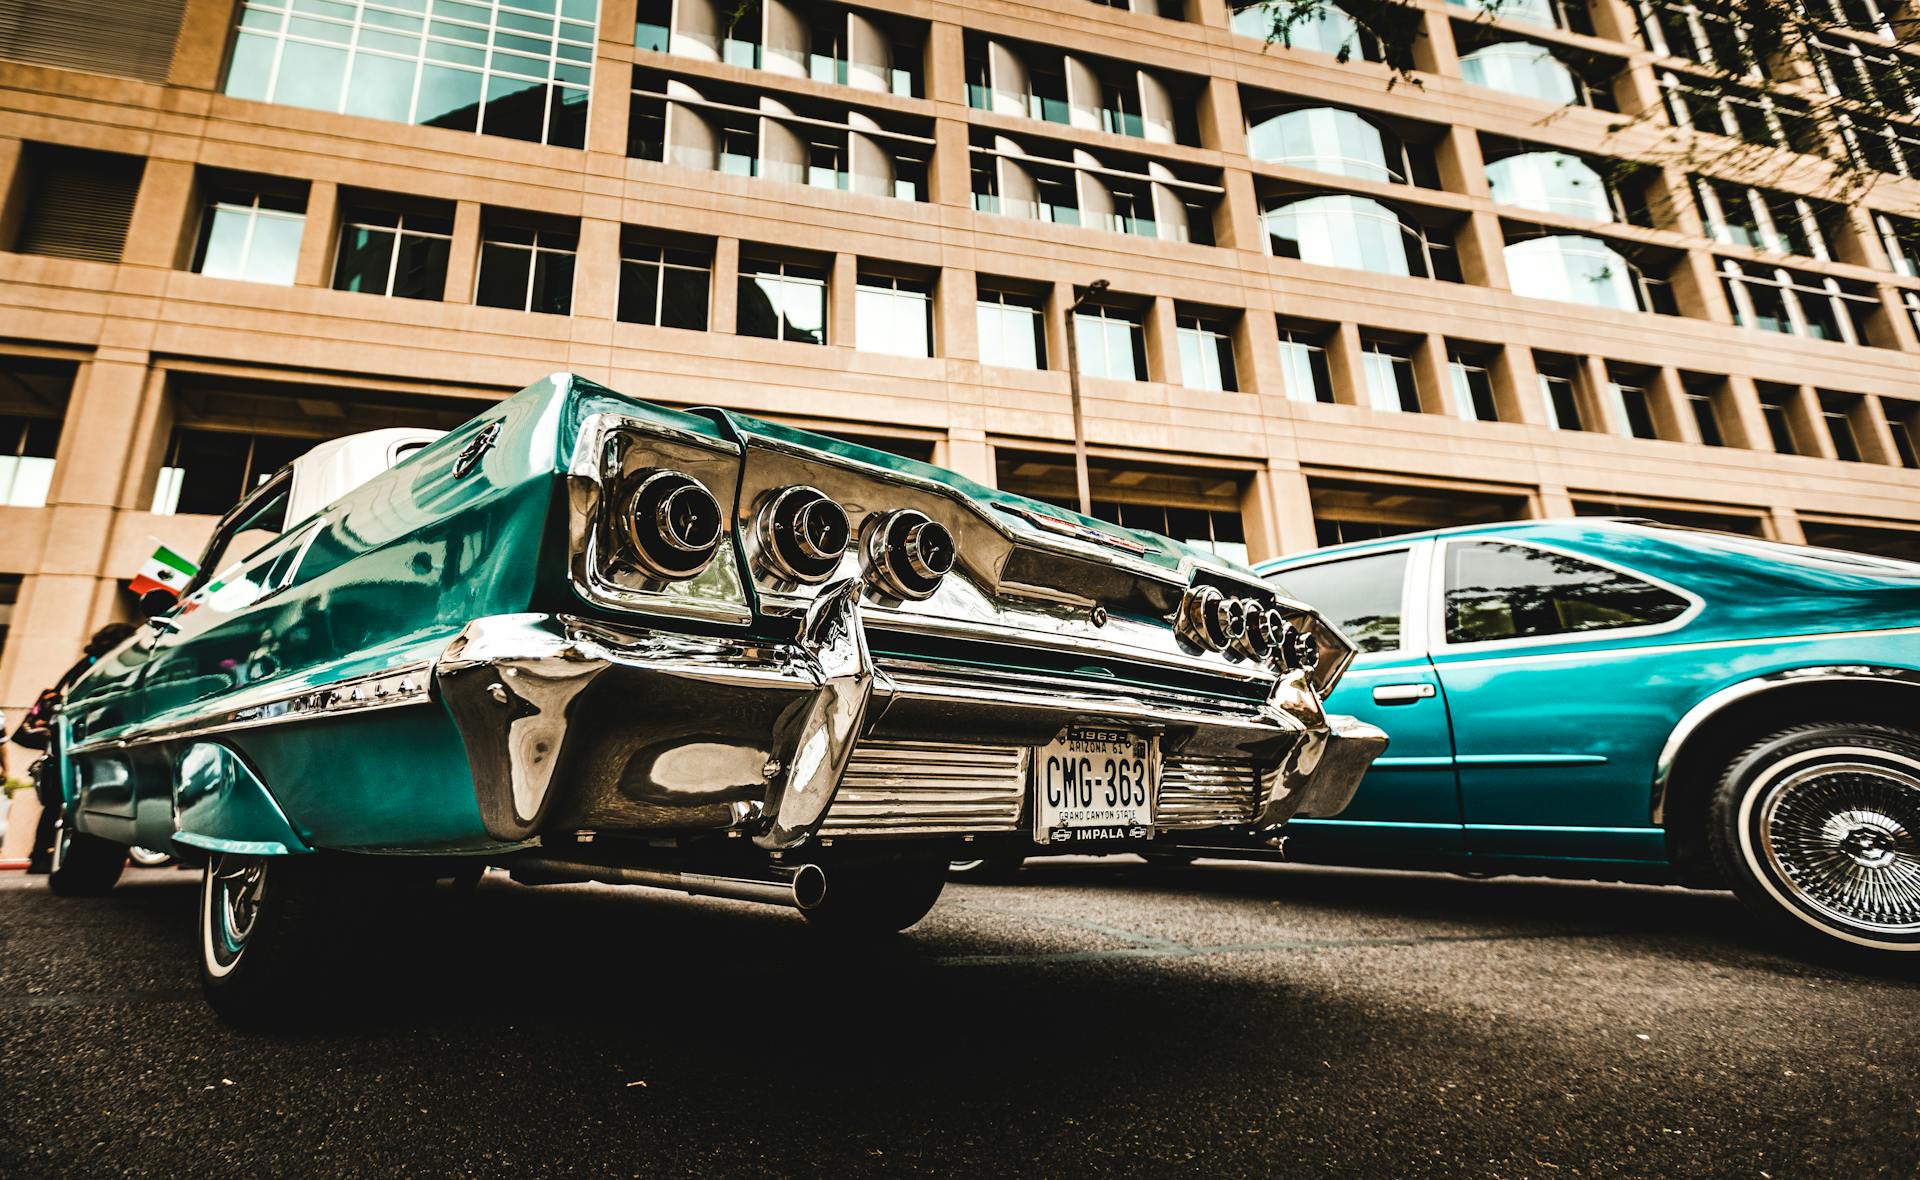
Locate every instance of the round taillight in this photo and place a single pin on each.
(1299, 649)
(1209, 619)
(803, 532)
(908, 553)
(1262, 636)
(674, 524)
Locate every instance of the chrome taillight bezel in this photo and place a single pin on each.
(908, 553)
(672, 524)
(803, 534)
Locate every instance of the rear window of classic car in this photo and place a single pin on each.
(1501, 591)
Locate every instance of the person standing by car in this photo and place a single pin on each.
(36, 731)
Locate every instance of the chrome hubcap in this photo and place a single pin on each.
(1846, 837)
(235, 888)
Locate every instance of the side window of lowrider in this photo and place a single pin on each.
(1498, 591)
(1360, 594)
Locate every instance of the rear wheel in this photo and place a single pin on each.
(265, 923)
(867, 901)
(1818, 827)
(83, 865)
(149, 858)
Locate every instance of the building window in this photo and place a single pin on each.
(1793, 303)
(1773, 408)
(1901, 236)
(1358, 234)
(27, 448)
(253, 236)
(783, 301)
(1753, 116)
(1633, 406)
(1570, 15)
(1901, 427)
(521, 69)
(391, 251)
(79, 203)
(1712, 39)
(1321, 28)
(1572, 269)
(1112, 342)
(1387, 370)
(1705, 416)
(1761, 219)
(1525, 69)
(893, 314)
(206, 472)
(526, 267)
(1892, 148)
(1836, 410)
(1303, 366)
(1012, 329)
(1473, 396)
(653, 25)
(1849, 69)
(1330, 140)
(1206, 353)
(1562, 402)
(1551, 182)
(1218, 531)
(664, 285)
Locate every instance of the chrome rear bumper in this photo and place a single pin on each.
(571, 724)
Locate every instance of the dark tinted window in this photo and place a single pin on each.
(1360, 594)
(1497, 591)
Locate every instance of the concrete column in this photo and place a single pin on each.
(1672, 413)
(956, 321)
(161, 230)
(969, 453)
(610, 105)
(1894, 327)
(1859, 241)
(1211, 13)
(596, 270)
(1697, 290)
(1482, 250)
(842, 324)
(1637, 89)
(13, 191)
(1870, 428)
(725, 316)
(946, 66)
(1163, 342)
(1461, 166)
(1345, 367)
(1433, 51)
(1222, 125)
(1670, 201)
(1431, 375)
(152, 431)
(1054, 316)
(1786, 525)
(950, 173)
(1236, 225)
(463, 254)
(1516, 386)
(1554, 501)
(1284, 501)
(1740, 415)
(202, 48)
(1256, 355)
(1594, 388)
(318, 235)
(1808, 425)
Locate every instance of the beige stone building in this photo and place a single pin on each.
(1337, 305)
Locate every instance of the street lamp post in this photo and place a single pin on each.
(1085, 486)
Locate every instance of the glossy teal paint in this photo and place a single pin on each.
(1553, 743)
(222, 806)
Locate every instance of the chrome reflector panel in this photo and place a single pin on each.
(1196, 793)
(901, 787)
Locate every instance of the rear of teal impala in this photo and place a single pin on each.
(584, 637)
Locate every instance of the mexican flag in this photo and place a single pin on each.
(165, 570)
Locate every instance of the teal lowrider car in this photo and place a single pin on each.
(1619, 699)
(587, 638)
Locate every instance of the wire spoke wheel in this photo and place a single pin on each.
(1845, 837)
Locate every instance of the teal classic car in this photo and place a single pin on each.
(584, 637)
(1617, 699)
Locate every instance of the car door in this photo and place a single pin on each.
(1553, 715)
(1409, 803)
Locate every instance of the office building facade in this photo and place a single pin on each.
(1341, 301)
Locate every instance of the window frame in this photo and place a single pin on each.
(1414, 582)
(1436, 619)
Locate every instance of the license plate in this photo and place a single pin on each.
(1093, 785)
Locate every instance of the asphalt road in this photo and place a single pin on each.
(1220, 1020)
